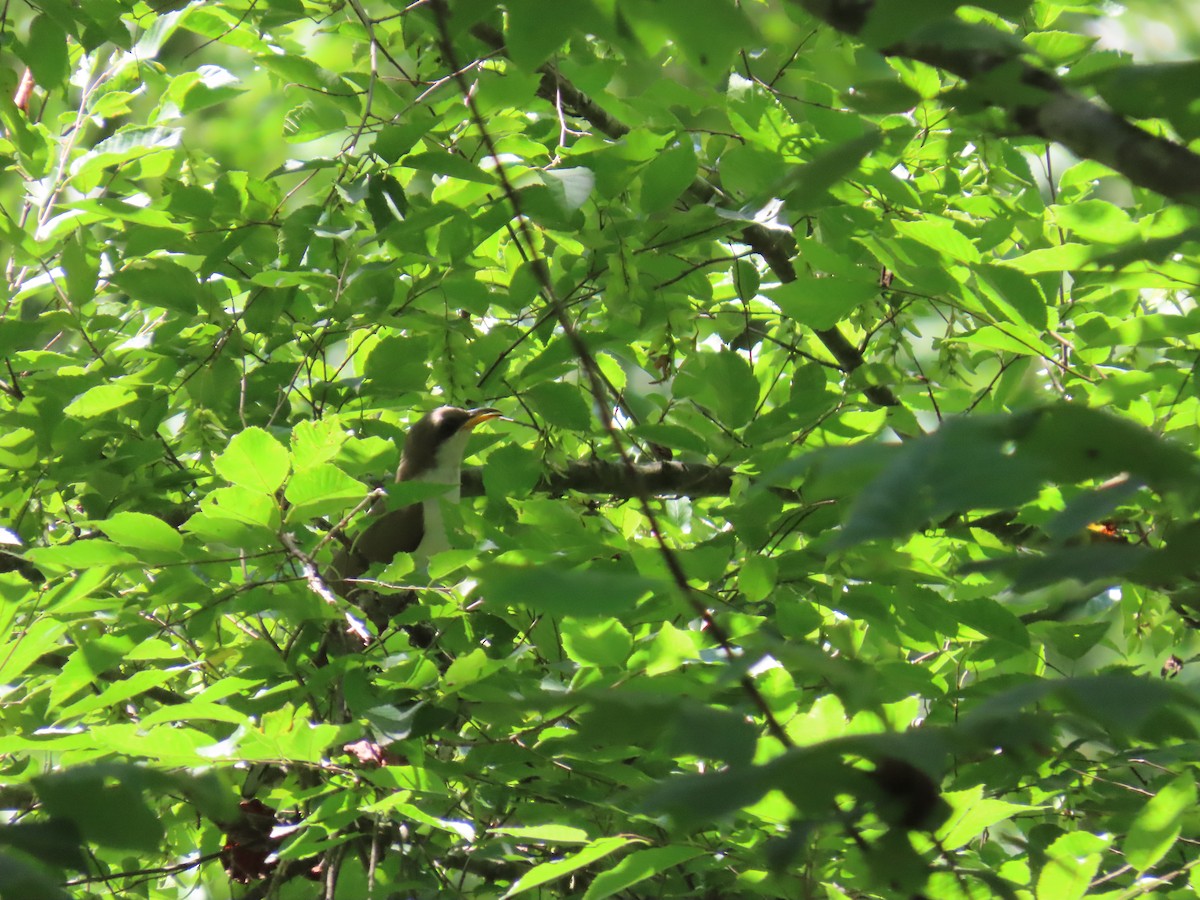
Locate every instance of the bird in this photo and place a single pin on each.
(433, 453)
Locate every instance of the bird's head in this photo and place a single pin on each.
(434, 447)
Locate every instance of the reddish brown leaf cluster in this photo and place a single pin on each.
(24, 91)
(249, 845)
(368, 753)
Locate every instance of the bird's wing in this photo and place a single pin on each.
(398, 531)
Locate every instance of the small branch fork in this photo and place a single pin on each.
(318, 586)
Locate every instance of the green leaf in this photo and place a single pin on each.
(708, 32)
(939, 234)
(212, 85)
(746, 279)
(322, 490)
(511, 471)
(1062, 258)
(596, 642)
(637, 867)
(561, 404)
(973, 814)
(887, 23)
(55, 843)
(1072, 639)
(118, 692)
(312, 120)
(142, 532)
(822, 302)
(1159, 823)
(386, 201)
(883, 95)
(393, 141)
(723, 382)
(1096, 221)
(667, 176)
(448, 164)
(228, 531)
(316, 442)
(254, 460)
(107, 804)
(580, 593)
(1071, 863)
(807, 186)
(405, 493)
(22, 879)
(550, 834)
(101, 399)
(79, 555)
(23, 649)
(674, 436)
(753, 171)
(128, 144)
(711, 733)
(1019, 297)
(1121, 704)
(469, 669)
(535, 30)
(1060, 47)
(757, 577)
(556, 869)
(47, 52)
(991, 337)
(397, 364)
(1087, 565)
(243, 504)
(570, 187)
(161, 282)
(693, 801)
(1072, 442)
(671, 647)
(1157, 90)
(938, 474)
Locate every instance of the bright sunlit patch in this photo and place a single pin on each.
(766, 664)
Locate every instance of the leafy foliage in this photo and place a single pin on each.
(912, 281)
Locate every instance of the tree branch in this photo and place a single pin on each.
(612, 479)
(1041, 106)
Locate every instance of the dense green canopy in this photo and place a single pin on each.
(843, 540)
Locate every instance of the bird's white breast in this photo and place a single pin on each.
(448, 471)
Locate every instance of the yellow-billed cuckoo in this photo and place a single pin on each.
(433, 452)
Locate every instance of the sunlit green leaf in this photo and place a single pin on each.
(596, 643)
(1158, 824)
(552, 871)
(255, 460)
(636, 867)
(823, 302)
(99, 400)
(141, 532)
(322, 490)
